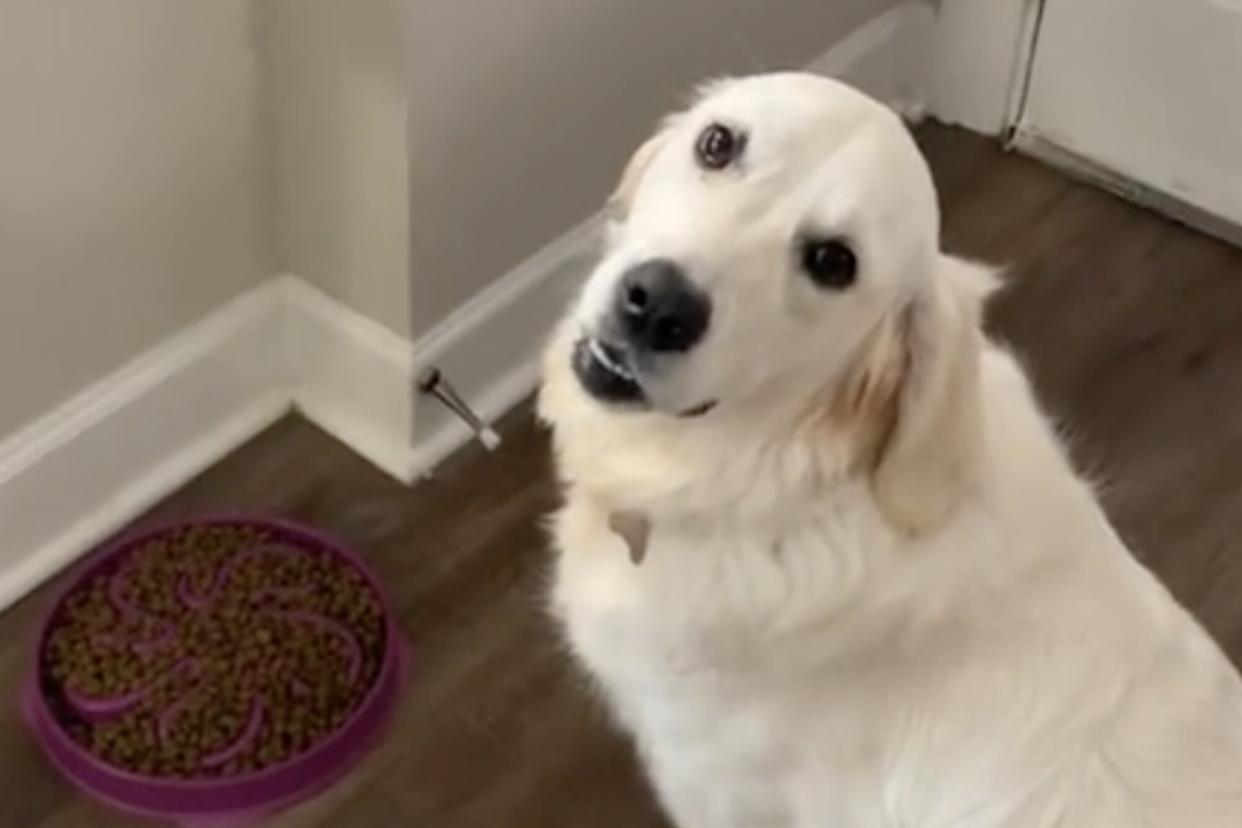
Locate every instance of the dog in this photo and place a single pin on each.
(823, 554)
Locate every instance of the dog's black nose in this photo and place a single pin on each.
(661, 310)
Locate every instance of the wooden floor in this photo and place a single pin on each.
(1131, 327)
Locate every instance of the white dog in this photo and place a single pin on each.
(820, 548)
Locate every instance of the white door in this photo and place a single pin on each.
(1148, 89)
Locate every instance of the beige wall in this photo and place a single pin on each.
(521, 112)
(133, 183)
(340, 111)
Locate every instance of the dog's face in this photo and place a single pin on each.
(755, 242)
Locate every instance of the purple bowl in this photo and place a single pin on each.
(223, 801)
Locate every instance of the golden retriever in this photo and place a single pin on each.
(820, 548)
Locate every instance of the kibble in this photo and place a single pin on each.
(199, 627)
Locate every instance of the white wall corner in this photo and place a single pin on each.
(356, 379)
(86, 469)
(886, 57)
(962, 62)
(349, 375)
(980, 50)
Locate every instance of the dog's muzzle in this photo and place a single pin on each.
(657, 313)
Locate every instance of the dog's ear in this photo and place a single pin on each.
(930, 456)
(618, 204)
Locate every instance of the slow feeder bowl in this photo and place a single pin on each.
(212, 672)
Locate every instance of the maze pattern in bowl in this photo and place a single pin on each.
(166, 622)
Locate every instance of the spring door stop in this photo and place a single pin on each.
(431, 381)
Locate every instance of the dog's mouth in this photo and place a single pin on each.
(607, 372)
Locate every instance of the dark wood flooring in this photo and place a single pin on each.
(1131, 326)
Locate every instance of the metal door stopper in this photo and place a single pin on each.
(432, 382)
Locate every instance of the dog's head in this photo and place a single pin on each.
(775, 249)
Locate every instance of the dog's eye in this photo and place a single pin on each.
(829, 262)
(718, 147)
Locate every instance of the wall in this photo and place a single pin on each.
(340, 112)
(1149, 91)
(133, 183)
(522, 112)
(980, 50)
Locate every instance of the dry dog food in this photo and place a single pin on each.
(212, 650)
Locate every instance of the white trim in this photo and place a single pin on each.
(88, 468)
(91, 466)
(1024, 64)
(1028, 140)
(350, 376)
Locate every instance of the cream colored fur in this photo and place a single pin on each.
(874, 594)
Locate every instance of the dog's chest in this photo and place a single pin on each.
(706, 652)
(723, 755)
(760, 672)
(713, 596)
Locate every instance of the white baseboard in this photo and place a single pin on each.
(82, 472)
(490, 346)
(1028, 140)
(349, 375)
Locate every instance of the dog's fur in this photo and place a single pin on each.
(874, 592)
